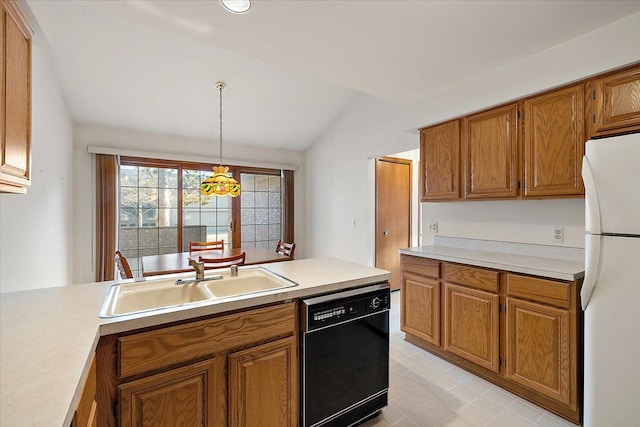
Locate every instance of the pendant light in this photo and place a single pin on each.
(221, 183)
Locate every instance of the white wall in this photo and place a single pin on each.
(338, 180)
(36, 249)
(84, 202)
(338, 175)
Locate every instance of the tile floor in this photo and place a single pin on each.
(427, 391)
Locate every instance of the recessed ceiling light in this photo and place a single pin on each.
(236, 6)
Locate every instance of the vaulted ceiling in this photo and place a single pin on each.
(290, 66)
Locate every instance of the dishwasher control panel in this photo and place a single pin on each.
(327, 310)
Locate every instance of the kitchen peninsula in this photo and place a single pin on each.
(48, 337)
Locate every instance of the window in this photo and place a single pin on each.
(162, 209)
(261, 210)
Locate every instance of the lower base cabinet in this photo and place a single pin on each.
(538, 348)
(179, 397)
(262, 388)
(238, 369)
(523, 333)
(471, 325)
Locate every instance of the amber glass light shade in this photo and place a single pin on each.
(220, 183)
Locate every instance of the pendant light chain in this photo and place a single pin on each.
(221, 183)
(220, 86)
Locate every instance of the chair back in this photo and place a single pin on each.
(210, 263)
(286, 249)
(206, 246)
(123, 266)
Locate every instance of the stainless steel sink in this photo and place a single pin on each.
(149, 295)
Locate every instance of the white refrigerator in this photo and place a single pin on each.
(611, 289)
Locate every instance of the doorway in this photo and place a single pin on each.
(393, 213)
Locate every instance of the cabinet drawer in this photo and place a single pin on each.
(420, 266)
(161, 348)
(472, 276)
(541, 290)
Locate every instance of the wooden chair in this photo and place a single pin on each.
(210, 263)
(286, 249)
(206, 246)
(123, 266)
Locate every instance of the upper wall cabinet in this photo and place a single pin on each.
(532, 147)
(15, 100)
(613, 103)
(490, 153)
(553, 143)
(440, 159)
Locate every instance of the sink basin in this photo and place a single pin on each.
(248, 281)
(149, 295)
(127, 298)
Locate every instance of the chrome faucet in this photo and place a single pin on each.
(199, 267)
(234, 270)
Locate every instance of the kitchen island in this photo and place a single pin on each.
(48, 336)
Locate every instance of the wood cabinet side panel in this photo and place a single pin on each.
(472, 325)
(85, 414)
(490, 153)
(263, 385)
(161, 348)
(538, 348)
(440, 162)
(554, 143)
(420, 307)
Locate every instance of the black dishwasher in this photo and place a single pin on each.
(345, 356)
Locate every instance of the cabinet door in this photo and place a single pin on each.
(420, 307)
(439, 158)
(614, 103)
(263, 384)
(179, 397)
(15, 109)
(471, 325)
(538, 348)
(554, 143)
(490, 153)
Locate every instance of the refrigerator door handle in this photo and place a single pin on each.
(592, 205)
(592, 267)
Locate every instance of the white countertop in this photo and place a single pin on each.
(554, 268)
(47, 336)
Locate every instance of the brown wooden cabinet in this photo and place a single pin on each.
(471, 325)
(531, 147)
(15, 99)
(471, 320)
(613, 103)
(542, 336)
(178, 397)
(206, 372)
(490, 153)
(553, 143)
(420, 298)
(521, 332)
(262, 385)
(86, 412)
(440, 162)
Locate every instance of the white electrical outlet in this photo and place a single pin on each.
(558, 234)
(433, 226)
